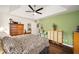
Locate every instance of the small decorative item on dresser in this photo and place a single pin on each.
(77, 29)
(11, 21)
(15, 22)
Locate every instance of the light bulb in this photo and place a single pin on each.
(34, 13)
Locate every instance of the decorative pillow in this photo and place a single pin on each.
(1, 47)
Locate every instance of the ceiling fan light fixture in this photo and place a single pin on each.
(34, 13)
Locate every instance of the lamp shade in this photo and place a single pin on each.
(1, 29)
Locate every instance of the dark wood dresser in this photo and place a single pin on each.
(16, 29)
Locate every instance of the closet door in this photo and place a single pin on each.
(55, 36)
(60, 37)
(49, 35)
(52, 35)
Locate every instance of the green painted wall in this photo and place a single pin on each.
(65, 22)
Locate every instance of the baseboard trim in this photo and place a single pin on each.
(68, 45)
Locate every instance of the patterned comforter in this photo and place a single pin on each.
(24, 44)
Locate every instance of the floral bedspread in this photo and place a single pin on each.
(24, 44)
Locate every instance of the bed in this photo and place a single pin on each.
(25, 44)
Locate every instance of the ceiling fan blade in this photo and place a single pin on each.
(38, 12)
(31, 7)
(28, 11)
(39, 9)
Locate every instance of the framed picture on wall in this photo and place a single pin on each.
(29, 27)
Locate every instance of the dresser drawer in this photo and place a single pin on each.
(16, 29)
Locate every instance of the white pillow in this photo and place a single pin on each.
(3, 34)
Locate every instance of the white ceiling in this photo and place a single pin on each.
(48, 10)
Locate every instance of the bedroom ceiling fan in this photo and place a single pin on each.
(33, 10)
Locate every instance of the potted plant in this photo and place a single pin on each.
(54, 27)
